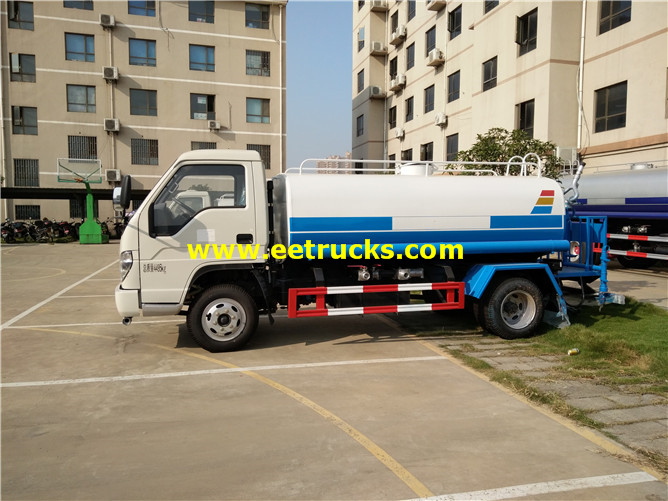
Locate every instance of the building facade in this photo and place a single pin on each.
(591, 76)
(133, 84)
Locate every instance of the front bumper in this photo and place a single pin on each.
(127, 302)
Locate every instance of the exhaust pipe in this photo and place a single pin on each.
(127, 320)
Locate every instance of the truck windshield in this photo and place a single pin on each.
(195, 188)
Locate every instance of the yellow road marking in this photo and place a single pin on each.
(378, 452)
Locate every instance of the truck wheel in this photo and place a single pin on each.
(514, 309)
(223, 318)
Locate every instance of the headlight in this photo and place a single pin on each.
(126, 263)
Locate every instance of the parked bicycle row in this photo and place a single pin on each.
(47, 230)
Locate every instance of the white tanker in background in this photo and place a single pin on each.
(328, 244)
(635, 202)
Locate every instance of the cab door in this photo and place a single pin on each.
(202, 204)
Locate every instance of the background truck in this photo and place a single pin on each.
(635, 202)
(515, 233)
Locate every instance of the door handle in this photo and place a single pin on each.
(244, 238)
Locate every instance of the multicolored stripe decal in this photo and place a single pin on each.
(544, 203)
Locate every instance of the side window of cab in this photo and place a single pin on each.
(195, 188)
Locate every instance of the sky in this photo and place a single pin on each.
(319, 65)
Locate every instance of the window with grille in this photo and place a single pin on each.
(24, 120)
(392, 117)
(144, 151)
(81, 98)
(78, 4)
(26, 172)
(258, 63)
(265, 153)
(25, 212)
(525, 115)
(489, 74)
(143, 102)
(613, 14)
(202, 145)
(453, 87)
(455, 22)
(142, 52)
(429, 99)
(427, 151)
(527, 32)
(20, 15)
(257, 16)
(82, 147)
(22, 67)
(257, 110)
(360, 125)
(202, 58)
(201, 12)
(360, 81)
(79, 47)
(78, 208)
(141, 7)
(202, 107)
(407, 154)
(452, 147)
(360, 39)
(611, 107)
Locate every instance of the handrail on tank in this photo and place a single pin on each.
(394, 166)
(524, 163)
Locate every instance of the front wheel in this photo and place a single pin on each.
(514, 309)
(223, 318)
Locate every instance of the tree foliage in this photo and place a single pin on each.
(500, 145)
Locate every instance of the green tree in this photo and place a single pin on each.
(500, 145)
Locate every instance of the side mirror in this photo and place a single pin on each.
(123, 195)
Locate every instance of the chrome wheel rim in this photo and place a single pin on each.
(518, 309)
(223, 319)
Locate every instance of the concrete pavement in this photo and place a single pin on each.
(346, 408)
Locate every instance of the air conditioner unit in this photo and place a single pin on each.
(110, 72)
(398, 35)
(376, 92)
(214, 125)
(112, 175)
(399, 133)
(441, 120)
(398, 82)
(436, 57)
(567, 154)
(107, 21)
(378, 49)
(379, 5)
(435, 4)
(112, 124)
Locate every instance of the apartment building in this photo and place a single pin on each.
(133, 84)
(591, 76)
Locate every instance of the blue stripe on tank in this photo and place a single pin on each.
(340, 223)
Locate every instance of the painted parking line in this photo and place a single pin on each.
(136, 377)
(56, 295)
(526, 490)
(91, 324)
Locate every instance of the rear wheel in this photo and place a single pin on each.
(223, 318)
(514, 309)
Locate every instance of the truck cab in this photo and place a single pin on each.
(206, 197)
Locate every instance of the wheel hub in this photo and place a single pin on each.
(223, 319)
(518, 309)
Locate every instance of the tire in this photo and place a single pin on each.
(223, 318)
(514, 309)
(639, 263)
